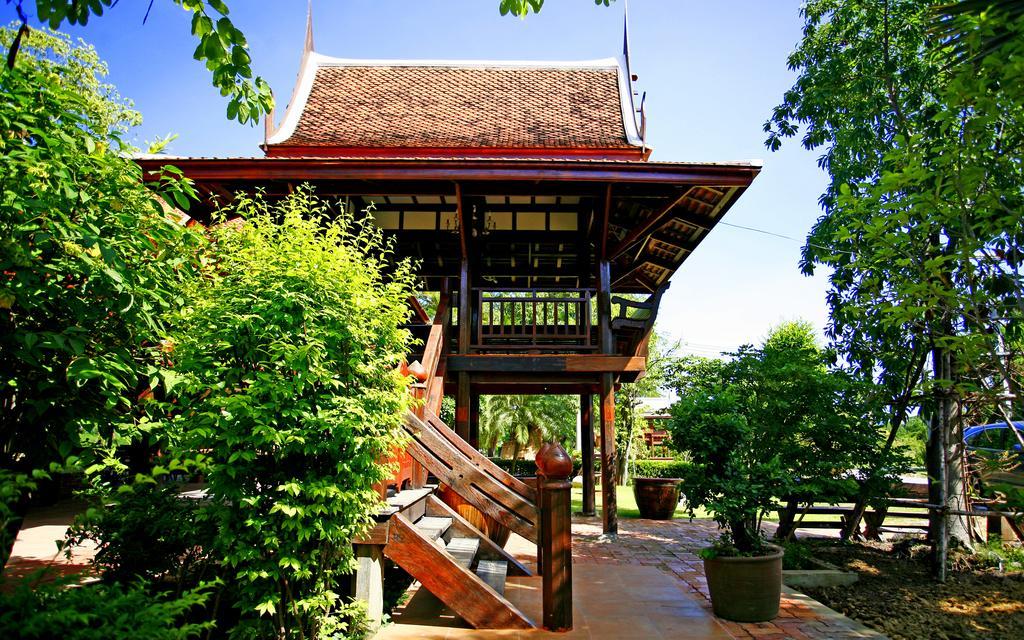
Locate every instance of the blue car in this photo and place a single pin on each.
(994, 438)
(993, 442)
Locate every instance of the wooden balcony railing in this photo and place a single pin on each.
(532, 319)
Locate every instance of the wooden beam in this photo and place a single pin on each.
(677, 243)
(701, 222)
(648, 225)
(489, 550)
(456, 586)
(543, 363)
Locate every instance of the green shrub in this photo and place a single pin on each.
(770, 422)
(42, 611)
(660, 468)
(290, 396)
(147, 532)
(797, 555)
(92, 263)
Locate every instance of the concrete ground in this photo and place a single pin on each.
(648, 583)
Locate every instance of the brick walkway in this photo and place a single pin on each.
(672, 546)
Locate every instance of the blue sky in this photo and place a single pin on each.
(712, 72)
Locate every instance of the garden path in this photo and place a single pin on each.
(647, 584)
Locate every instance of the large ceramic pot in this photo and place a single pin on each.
(657, 498)
(745, 589)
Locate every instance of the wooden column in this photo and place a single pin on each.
(369, 582)
(474, 419)
(462, 395)
(462, 406)
(554, 468)
(609, 517)
(587, 445)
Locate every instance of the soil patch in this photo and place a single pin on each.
(897, 596)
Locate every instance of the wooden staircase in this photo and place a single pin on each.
(452, 559)
(426, 537)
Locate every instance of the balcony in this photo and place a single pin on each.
(533, 321)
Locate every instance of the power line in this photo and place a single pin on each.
(785, 237)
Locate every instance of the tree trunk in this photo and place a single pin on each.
(742, 536)
(946, 466)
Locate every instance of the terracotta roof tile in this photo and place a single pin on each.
(450, 106)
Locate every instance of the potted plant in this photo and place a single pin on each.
(757, 427)
(729, 480)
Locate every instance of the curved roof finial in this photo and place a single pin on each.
(308, 46)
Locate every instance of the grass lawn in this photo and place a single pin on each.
(626, 503)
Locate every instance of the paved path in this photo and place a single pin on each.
(672, 547)
(668, 547)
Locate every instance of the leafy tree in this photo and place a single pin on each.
(288, 397)
(921, 227)
(222, 47)
(630, 396)
(91, 261)
(771, 423)
(527, 421)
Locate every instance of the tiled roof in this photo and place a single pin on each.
(359, 104)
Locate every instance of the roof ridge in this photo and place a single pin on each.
(322, 60)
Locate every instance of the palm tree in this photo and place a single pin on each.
(527, 421)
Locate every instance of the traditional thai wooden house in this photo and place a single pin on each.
(525, 191)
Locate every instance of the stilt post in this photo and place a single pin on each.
(587, 445)
(554, 471)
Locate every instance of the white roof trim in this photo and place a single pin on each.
(314, 61)
(626, 101)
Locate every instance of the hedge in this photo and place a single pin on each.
(641, 468)
(527, 466)
(660, 468)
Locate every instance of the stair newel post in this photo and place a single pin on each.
(554, 471)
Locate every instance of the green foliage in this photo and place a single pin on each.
(522, 8)
(997, 555)
(662, 469)
(771, 422)
(289, 397)
(912, 438)
(148, 532)
(798, 555)
(527, 421)
(91, 263)
(629, 440)
(33, 610)
(921, 230)
(222, 47)
(953, 26)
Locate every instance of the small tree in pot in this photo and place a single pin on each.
(757, 427)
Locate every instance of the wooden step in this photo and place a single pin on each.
(493, 572)
(463, 550)
(448, 578)
(433, 527)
